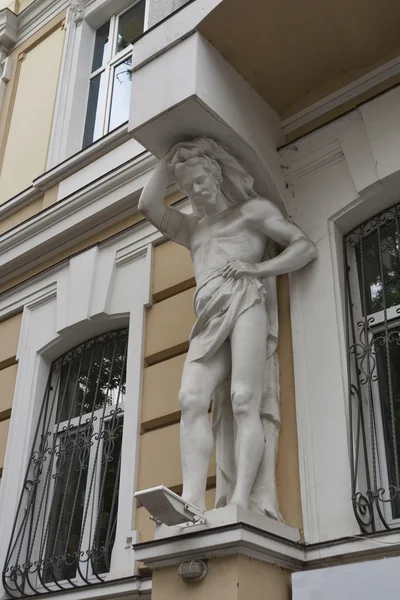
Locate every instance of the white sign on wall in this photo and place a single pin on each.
(367, 581)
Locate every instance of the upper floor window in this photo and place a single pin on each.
(111, 74)
(372, 253)
(66, 520)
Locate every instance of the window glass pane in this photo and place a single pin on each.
(379, 268)
(130, 25)
(108, 494)
(121, 94)
(67, 507)
(95, 109)
(93, 377)
(101, 46)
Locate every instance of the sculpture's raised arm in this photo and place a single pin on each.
(170, 221)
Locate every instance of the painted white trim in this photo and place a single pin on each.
(170, 32)
(60, 226)
(36, 16)
(122, 291)
(72, 95)
(8, 29)
(341, 96)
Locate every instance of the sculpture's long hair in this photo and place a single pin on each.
(236, 183)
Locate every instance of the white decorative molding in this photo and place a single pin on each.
(92, 208)
(65, 169)
(8, 29)
(227, 540)
(68, 295)
(77, 10)
(343, 95)
(36, 16)
(301, 164)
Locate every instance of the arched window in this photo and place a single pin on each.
(372, 254)
(65, 525)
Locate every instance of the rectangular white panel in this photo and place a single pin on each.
(370, 580)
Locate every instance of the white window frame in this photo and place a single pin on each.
(73, 89)
(111, 61)
(61, 310)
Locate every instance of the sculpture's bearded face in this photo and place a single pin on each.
(200, 180)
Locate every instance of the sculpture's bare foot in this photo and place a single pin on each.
(274, 513)
(269, 509)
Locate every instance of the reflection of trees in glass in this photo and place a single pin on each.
(380, 268)
(94, 377)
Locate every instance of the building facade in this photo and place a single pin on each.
(96, 306)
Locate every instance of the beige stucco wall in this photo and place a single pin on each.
(228, 578)
(27, 113)
(20, 5)
(9, 336)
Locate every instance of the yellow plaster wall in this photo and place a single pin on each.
(8, 376)
(9, 336)
(173, 271)
(228, 578)
(161, 384)
(4, 426)
(20, 5)
(287, 468)
(168, 327)
(28, 121)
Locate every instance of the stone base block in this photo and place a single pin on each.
(229, 578)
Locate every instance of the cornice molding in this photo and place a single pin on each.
(341, 96)
(8, 28)
(63, 170)
(90, 209)
(36, 15)
(300, 163)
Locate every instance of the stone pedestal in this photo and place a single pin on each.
(249, 557)
(229, 578)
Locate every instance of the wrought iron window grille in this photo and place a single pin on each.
(372, 272)
(64, 530)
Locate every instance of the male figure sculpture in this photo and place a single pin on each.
(232, 354)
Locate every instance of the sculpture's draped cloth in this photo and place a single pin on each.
(218, 304)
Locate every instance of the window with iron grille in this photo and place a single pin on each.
(372, 254)
(65, 526)
(110, 79)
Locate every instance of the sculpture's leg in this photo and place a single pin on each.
(248, 344)
(264, 493)
(199, 382)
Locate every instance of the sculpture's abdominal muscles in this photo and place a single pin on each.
(211, 250)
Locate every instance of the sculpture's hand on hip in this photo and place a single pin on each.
(239, 268)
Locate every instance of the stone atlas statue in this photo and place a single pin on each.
(232, 236)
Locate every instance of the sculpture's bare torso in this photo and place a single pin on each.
(217, 239)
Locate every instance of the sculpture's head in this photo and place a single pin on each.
(203, 169)
(199, 178)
